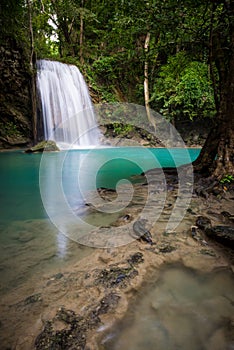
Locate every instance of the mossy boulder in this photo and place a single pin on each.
(44, 146)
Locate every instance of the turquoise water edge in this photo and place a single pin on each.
(19, 173)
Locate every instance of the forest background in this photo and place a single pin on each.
(175, 57)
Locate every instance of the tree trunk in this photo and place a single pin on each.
(146, 81)
(212, 74)
(217, 155)
(66, 43)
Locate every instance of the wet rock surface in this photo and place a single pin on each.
(119, 135)
(15, 98)
(120, 276)
(71, 307)
(68, 330)
(222, 234)
(193, 133)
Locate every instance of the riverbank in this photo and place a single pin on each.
(121, 135)
(74, 306)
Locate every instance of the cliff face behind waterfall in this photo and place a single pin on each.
(15, 98)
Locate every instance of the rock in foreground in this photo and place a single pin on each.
(222, 234)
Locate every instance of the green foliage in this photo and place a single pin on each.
(45, 33)
(183, 89)
(9, 129)
(113, 48)
(227, 179)
(122, 129)
(105, 66)
(13, 21)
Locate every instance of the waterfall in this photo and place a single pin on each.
(67, 110)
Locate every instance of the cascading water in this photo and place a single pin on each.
(67, 109)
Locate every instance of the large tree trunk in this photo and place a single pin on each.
(217, 155)
(146, 82)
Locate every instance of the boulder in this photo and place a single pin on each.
(203, 222)
(222, 234)
(43, 146)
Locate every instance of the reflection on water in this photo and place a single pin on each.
(62, 243)
(30, 245)
(181, 310)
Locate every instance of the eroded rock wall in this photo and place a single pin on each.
(15, 98)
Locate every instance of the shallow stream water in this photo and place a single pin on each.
(180, 309)
(29, 243)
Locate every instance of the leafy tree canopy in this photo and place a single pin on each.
(183, 89)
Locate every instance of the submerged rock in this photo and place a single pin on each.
(203, 222)
(222, 234)
(166, 248)
(136, 259)
(120, 276)
(33, 299)
(110, 301)
(141, 232)
(116, 276)
(44, 146)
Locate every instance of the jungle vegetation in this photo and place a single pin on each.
(176, 57)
